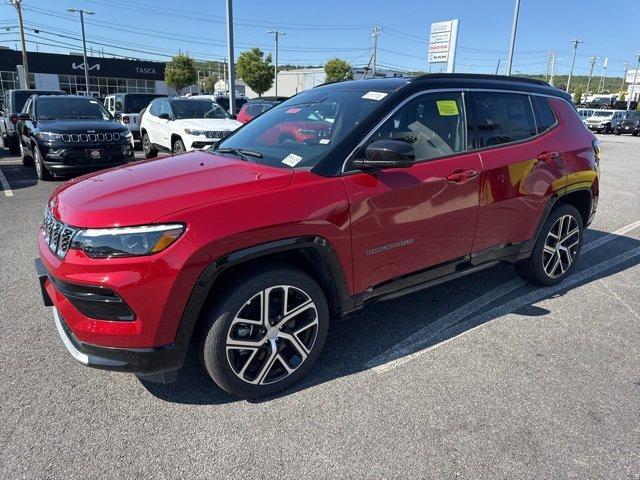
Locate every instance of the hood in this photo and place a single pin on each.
(213, 124)
(142, 192)
(80, 126)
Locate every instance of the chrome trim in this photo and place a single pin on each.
(77, 354)
(57, 235)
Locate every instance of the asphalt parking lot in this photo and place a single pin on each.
(483, 377)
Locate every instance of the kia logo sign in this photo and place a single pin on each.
(81, 66)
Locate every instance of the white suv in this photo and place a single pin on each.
(180, 124)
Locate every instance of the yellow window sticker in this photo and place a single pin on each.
(447, 108)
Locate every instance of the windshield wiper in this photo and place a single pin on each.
(241, 152)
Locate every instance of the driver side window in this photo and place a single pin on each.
(432, 123)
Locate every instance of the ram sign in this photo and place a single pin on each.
(442, 43)
(631, 74)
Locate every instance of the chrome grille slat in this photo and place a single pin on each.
(92, 137)
(57, 235)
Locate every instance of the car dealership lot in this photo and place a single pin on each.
(480, 377)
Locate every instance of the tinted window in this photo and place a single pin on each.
(21, 96)
(198, 109)
(502, 117)
(70, 107)
(133, 103)
(544, 115)
(154, 109)
(432, 123)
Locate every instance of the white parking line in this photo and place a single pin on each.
(422, 336)
(535, 296)
(5, 185)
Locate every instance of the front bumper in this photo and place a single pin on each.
(72, 159)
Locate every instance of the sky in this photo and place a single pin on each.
(317, 30)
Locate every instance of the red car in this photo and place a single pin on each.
(251, 248)
(250, 110)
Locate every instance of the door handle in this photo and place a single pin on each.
(547, 157)
(462, 175)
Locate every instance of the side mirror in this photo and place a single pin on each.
(23, 116)
(165, 116)
(387, 154)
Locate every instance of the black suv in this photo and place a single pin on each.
(629, 124)
(70, 134)
(12, 103)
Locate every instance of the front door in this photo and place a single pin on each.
(408, 219)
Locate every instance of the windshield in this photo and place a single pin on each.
(133, 103)
(197, 109)
(21, 97)
(66, 107)
(603, 114)
(633, 116)
(300, 131)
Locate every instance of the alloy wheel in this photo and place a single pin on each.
(561, 246)
(272, 334)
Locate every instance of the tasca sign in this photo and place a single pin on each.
(442, 43)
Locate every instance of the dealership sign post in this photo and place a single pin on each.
(442, 43)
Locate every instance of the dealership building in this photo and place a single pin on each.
(52, 71)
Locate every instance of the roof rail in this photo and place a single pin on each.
(480, 76)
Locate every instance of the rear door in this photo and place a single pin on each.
(521, 166)
(407, 219)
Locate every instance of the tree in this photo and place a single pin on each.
(255, 70)
(577, 95)
(180, 72)
(208, 84)
(338, 70)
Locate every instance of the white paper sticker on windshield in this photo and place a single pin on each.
(323, 141)
(93, 101)
(292, 160)
(374, 95)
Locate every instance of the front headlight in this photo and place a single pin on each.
(191, 131)
(126, 241)
(48, 136)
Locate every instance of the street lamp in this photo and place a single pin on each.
(84, 42)
(276, 33)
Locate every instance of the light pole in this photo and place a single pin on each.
(232, 75)
(84, 43)
(25, 66)
(374, 33)
(633, 87)
(514, 28)
(575, 42)
(593, 64)
(276, 33)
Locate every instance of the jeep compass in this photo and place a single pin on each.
(248, 250)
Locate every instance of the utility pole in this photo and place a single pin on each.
(232, 80)
(84, 44)
(604, 72)
(374, 33)
(633, 86)
(276, 34)
(514, 28)
(546, 75)
(624, 76)
(25, 66)
(575, 42)
(498, 66)
(552, 71)
(593, 63)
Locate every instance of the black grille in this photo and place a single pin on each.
(57, 235)
(90, 137)
(216, 134)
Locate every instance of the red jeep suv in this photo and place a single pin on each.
(250, 249)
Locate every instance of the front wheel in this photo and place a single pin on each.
(41, 170)
(266, 332)
(178, 147)
(12, 144)
(147, 147)
(557, 248)
(617, 131)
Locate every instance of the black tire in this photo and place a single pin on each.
(41, 171)
(147, 147)
(532, 269)
(237, 296)
(178, 147)
(635, 134)
(13, 146)
(27, 160)
(617, 131)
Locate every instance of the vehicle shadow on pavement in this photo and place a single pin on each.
(362, 341)
(18, 175)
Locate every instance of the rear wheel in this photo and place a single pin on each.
(266, 332)
(41, 170)
(557, 248)
(147, 147)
